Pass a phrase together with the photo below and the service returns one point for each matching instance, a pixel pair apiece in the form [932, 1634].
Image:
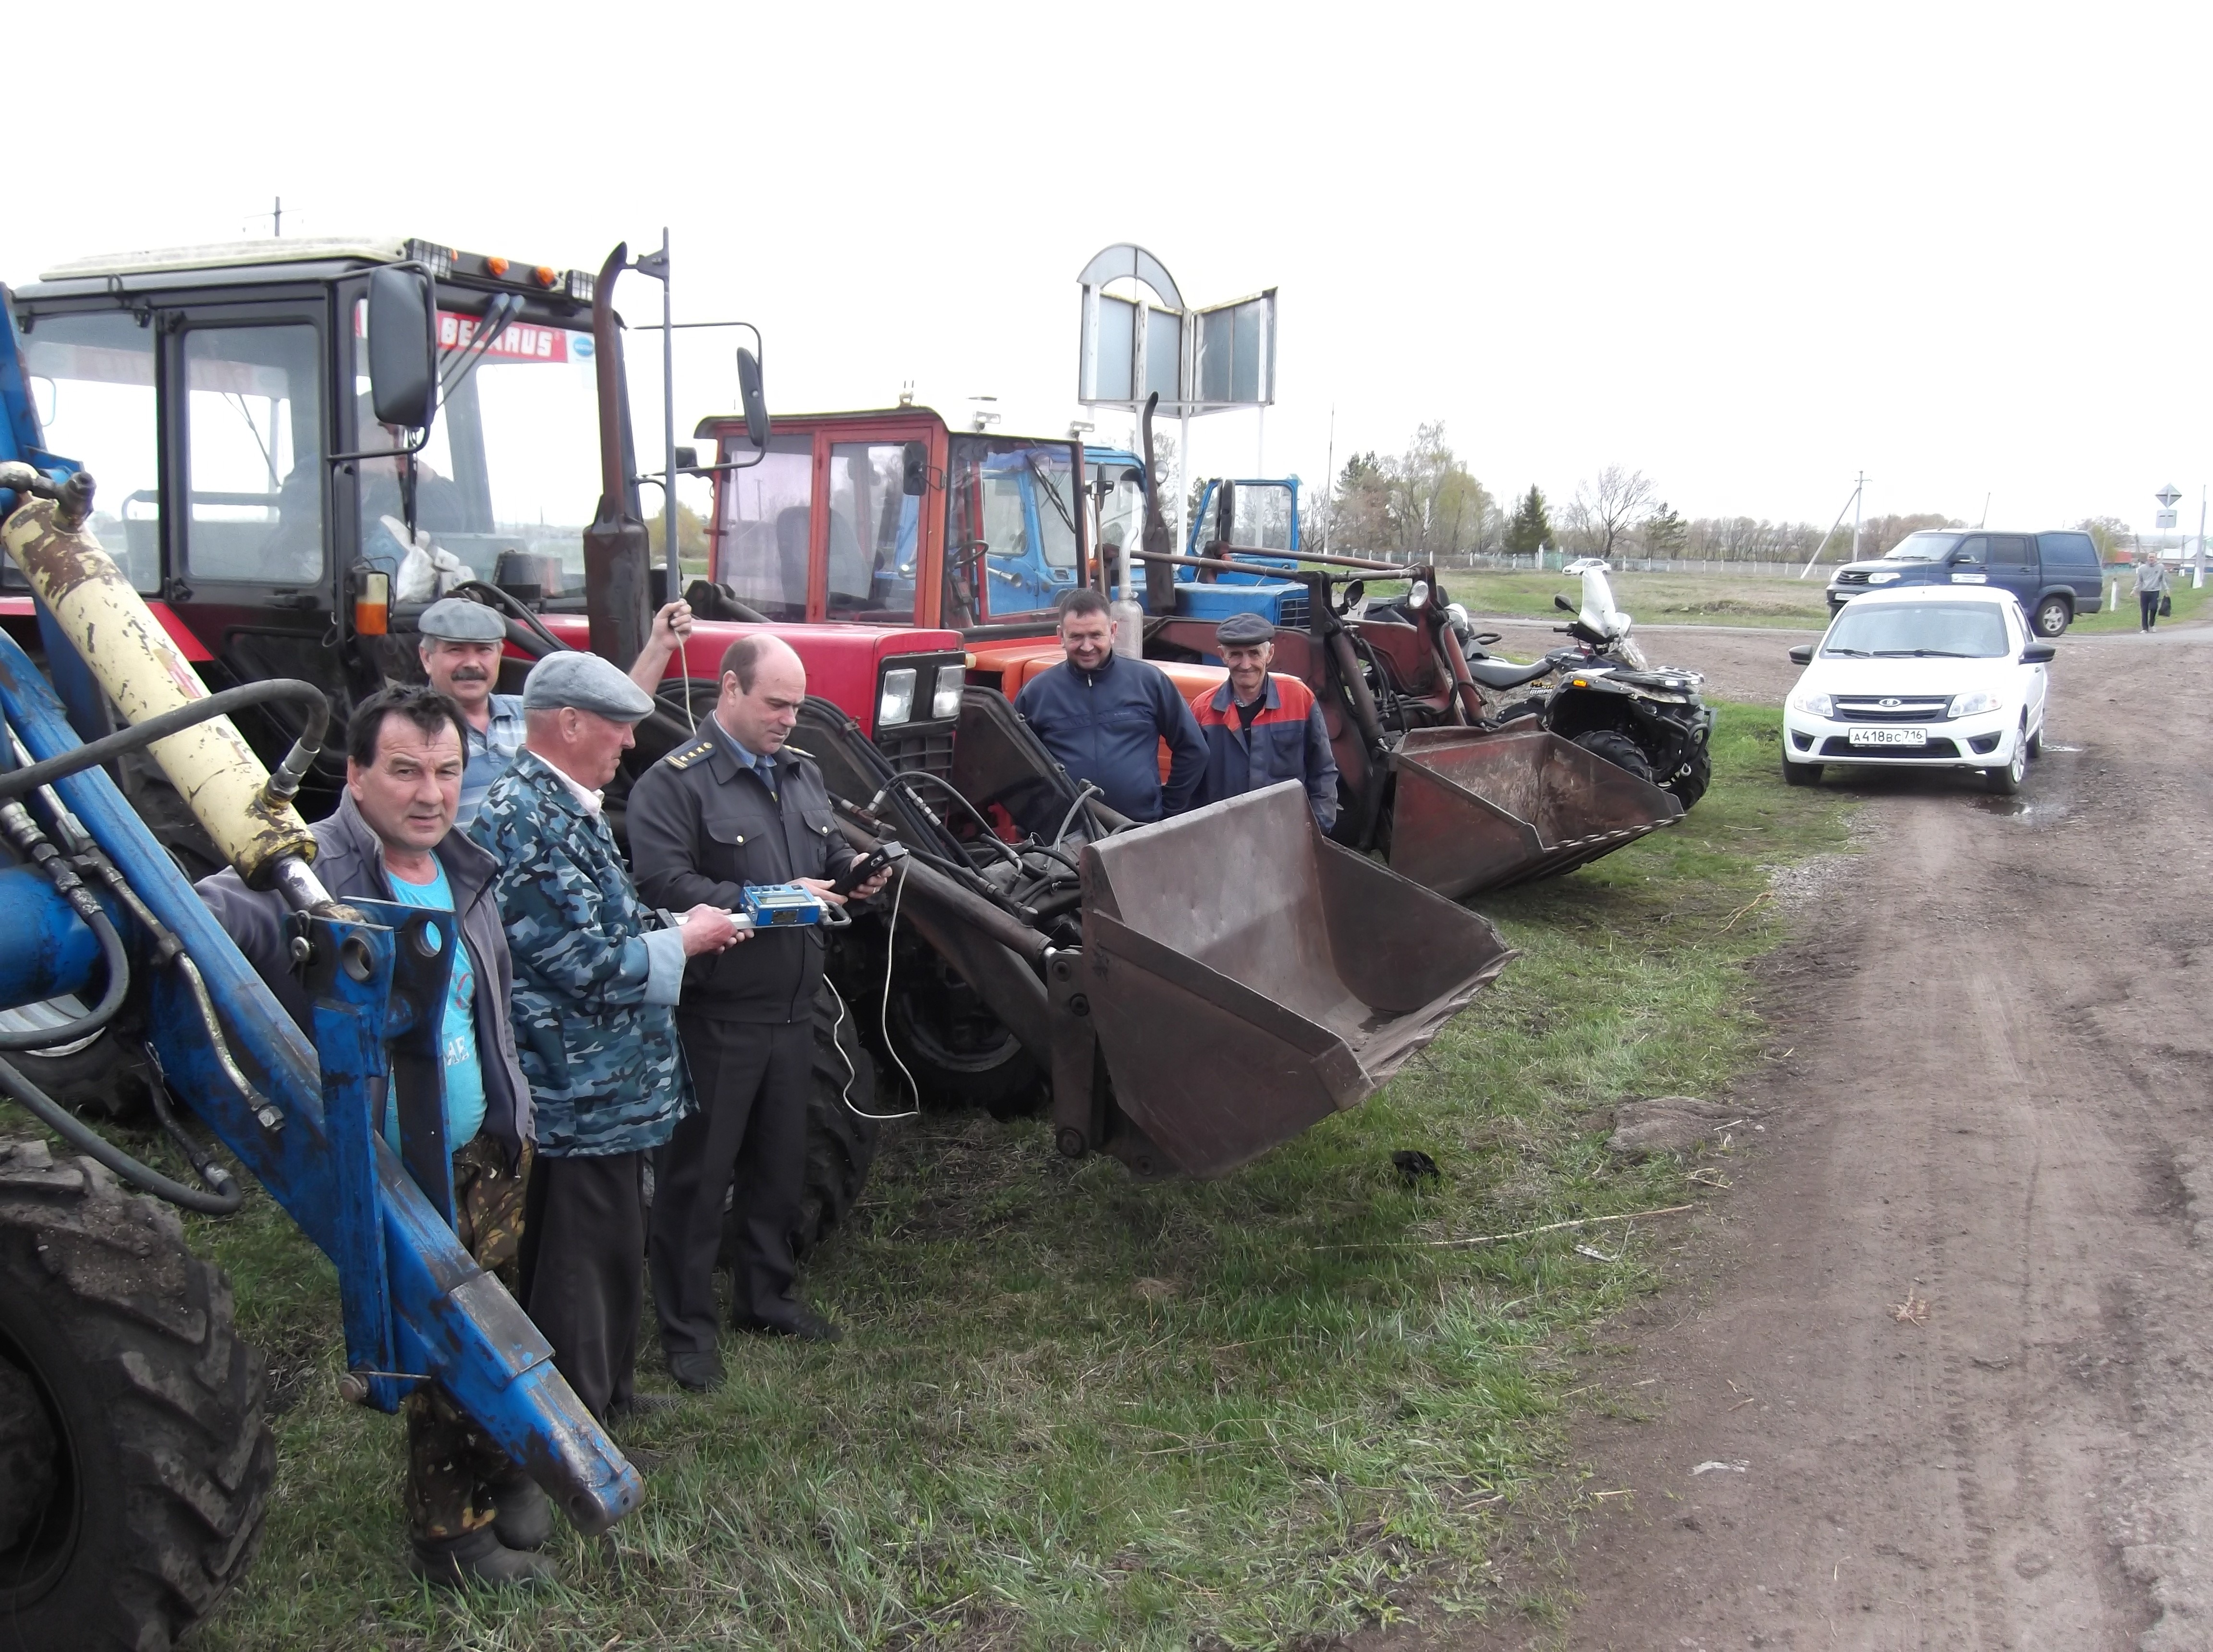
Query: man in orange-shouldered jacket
[1262, 730]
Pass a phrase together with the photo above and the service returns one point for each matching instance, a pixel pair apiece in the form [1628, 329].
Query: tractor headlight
[896, 703]
[1813, 706]
[945, 702]
[1966, 705]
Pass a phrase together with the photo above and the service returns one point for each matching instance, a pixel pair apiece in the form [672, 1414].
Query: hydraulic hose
[16, 782]
[66, 1124]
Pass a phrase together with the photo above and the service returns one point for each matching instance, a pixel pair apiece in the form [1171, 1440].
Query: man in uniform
[1103, 715]
[460, 648]
[1261, 729]
[737, 807]
[475, 1515]
[596, 973]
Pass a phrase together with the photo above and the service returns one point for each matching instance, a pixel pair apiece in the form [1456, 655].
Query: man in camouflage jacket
[596, 973]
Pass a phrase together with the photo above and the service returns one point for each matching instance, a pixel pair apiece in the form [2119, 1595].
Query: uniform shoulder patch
[689, 755]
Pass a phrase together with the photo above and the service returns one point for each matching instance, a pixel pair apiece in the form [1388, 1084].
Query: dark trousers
[453, 1468]
[752, 1080]
[2147, 602]
[583, 1235]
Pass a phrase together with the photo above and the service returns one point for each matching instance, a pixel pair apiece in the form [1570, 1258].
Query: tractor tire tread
[167, 1402]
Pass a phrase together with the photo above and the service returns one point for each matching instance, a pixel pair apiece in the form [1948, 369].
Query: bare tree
[1603, 510]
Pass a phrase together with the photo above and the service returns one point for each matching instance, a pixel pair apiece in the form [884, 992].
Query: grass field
[1654, 598]
[1078, 1410]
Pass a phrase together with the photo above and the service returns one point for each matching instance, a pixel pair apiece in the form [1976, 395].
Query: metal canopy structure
[1208, 359]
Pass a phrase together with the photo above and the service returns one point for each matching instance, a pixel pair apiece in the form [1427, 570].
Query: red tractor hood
[844, 663]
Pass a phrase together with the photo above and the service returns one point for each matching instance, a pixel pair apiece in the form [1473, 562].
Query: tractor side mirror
[914, 469]
[750, 398]
[1802, 655]
[687, 459]
[403, 347]
[1563, 604]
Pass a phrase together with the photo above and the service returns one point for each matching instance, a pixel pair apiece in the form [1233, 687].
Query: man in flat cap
[737, 807]
[596, 973]
[1261, 729]
[460, 648]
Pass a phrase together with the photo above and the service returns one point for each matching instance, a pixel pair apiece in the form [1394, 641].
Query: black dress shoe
[695, 1373]
[800, 1323]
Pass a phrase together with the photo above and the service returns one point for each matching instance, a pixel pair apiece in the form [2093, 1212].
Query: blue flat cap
[457, 619]
[587, 682]
[1243, 629]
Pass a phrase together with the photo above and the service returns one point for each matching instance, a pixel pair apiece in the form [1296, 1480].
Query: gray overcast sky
[1748, 250]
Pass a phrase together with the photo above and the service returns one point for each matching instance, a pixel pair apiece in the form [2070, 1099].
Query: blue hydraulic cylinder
[448, 1319]
[45, 948]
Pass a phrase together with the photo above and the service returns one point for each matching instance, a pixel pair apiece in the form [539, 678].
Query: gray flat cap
[1243, 629]
[587, 682]
[457, 619]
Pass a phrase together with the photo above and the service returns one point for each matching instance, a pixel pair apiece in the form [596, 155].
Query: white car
[1924, 676]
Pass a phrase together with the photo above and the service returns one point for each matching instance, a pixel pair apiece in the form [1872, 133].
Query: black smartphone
[867, 867]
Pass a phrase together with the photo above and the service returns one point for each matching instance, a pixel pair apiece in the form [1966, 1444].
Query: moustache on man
[472, 674]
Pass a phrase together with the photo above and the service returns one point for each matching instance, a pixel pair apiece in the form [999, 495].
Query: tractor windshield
[512, 468]
[1010, 544]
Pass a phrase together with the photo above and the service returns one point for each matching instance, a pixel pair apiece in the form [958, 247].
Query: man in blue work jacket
[1262, 730]
[1104, 715]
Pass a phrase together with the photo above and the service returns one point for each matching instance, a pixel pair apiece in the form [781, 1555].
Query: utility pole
[1859, 488]
[2198, 580]
[673, 587]
[276, 219]
[1329, 480]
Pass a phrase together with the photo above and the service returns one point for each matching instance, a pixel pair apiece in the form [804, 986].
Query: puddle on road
[2043, 810]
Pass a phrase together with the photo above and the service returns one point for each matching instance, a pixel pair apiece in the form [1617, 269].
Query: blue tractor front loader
[134, 1458]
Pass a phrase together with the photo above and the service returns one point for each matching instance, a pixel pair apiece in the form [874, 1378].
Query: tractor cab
[220, 396]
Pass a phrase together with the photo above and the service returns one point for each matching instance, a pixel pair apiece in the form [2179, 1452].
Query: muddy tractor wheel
[1618, 749]
[1688, 783]
[959, 1054]
[135, 1463]
[841, 1145]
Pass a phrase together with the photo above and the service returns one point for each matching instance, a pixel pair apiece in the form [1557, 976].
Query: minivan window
[1923, 547]
[1965, 630]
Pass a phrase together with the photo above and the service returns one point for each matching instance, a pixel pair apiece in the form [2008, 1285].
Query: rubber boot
[523, 1513]
[477, 1558]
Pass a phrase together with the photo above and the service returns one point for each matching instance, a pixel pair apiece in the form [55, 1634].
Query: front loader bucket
[1247, 977]
[1476, 810]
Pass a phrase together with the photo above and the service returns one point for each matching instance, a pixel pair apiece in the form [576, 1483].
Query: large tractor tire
[958, 1054]
[135, 1463]
[841, 1145]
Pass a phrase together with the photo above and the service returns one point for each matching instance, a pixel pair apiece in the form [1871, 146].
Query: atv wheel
[1688, 783]
[1618, 749]
[134, 1460]
[840, 1144]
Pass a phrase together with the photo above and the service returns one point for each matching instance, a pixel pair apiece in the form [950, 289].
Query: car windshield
[1923, 547]
[512, 466]
[1963, 631]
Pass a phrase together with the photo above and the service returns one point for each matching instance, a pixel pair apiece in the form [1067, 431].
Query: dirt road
[1943, 1375]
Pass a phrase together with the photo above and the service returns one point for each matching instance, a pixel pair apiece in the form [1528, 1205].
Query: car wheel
[2036, 743]
[2052, 615]
[2005, 781]
[1800, 774]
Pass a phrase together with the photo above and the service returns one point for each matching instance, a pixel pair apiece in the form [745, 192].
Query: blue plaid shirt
[489, 755]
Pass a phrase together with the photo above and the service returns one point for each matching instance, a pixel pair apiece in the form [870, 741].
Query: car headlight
[1813, 706]
[945, 702]
[1966, 705]
[897, 704]
[1882, 579]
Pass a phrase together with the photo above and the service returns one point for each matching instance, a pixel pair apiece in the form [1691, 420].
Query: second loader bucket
[1476, 810]
[1247, 977]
